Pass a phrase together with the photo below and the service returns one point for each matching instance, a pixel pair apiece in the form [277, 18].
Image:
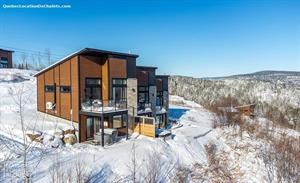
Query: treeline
[274, 100]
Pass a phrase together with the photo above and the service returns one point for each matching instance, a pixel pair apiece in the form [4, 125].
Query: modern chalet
[102, 92]
[6, 58]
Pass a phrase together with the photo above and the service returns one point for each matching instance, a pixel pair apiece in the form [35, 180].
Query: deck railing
[102, 106]
[144, 108]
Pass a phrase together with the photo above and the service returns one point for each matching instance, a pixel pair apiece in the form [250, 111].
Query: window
[117, 121]
[3, 62]
[159, 99]
[149, 121]
[143, 97]
[49, 88]
[143, 94]
[93, 81]
[119, 89]
[93, 88]
[120, 121]
[119, 82]
[124, 120]
[65, 89]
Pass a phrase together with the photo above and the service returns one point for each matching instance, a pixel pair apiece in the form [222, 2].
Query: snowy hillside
[283, 77]
[197, 152]
[277, 96]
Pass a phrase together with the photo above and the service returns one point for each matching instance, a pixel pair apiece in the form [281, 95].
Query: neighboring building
[162, 100]
[6, 58]
[247, 110]
[153, 96]
[95, 89]
[146, 90]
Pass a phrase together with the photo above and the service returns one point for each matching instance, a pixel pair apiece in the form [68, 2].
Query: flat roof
[6, 50]
[86, 51]
[145, 67]
[161, 76]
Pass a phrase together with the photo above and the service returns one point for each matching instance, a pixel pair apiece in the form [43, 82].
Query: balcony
[144, 108]
[103, 106]
[160, 110]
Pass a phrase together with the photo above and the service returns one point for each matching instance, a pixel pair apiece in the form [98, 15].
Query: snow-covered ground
[186, 148]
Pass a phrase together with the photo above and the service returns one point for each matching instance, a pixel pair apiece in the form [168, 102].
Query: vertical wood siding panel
[89, 67]
[56, 79]
[65, 98]
[117, 69]
[49, 96]
[40, 93]
[82, 128]
[143, 78]
[105, 81]
[74, 83]
[159, 85]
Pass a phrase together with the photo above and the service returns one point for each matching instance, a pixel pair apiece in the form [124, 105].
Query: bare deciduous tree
[22, 149]
[48, 56]
[133, 166]
[157, 169]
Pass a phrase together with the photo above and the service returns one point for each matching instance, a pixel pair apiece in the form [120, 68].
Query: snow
[187, 147]
[184, 104]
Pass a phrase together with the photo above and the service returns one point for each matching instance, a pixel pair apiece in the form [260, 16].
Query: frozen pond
[176, 113]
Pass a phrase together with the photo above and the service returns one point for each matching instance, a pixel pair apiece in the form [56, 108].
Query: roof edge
[82, 51]
[6, 50]
[162, 75]
[146, 67]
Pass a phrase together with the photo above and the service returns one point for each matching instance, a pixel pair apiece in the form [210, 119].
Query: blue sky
[193, 38]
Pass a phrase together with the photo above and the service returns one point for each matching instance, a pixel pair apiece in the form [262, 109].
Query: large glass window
[120, 121]
[117, 121]
[89, 128]
[159, 99]
[143, 94]
[119, 89]
[93, 88]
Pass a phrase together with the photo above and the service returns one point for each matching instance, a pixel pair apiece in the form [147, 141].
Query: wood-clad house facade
[6, 58]
[85, 76]
[97, 90]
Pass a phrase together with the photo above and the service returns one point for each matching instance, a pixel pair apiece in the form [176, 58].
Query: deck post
[102, 131]
[127, 127]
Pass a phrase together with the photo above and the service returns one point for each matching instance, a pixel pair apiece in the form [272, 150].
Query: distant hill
[287, 77]
[277, 91]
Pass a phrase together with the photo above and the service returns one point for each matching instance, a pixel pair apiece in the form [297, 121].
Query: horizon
[194, 39]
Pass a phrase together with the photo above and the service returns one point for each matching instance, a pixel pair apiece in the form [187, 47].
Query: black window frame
[64, 87]
[144, 91]
[4, 65]
[123, 87]
[123, 121]
[49, 86]
[93, 86]
[159, 98]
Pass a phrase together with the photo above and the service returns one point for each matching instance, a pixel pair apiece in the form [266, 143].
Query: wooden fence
[145, 126]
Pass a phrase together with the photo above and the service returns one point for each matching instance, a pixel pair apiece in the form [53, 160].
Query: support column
[127, 127]
[102, 131]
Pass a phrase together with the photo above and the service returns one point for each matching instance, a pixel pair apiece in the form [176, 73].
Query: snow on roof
[56, 63]
[83, 51]
[6, 50]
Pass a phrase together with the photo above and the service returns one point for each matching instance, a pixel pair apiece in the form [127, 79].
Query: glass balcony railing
[103, 106]
[144, 108]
